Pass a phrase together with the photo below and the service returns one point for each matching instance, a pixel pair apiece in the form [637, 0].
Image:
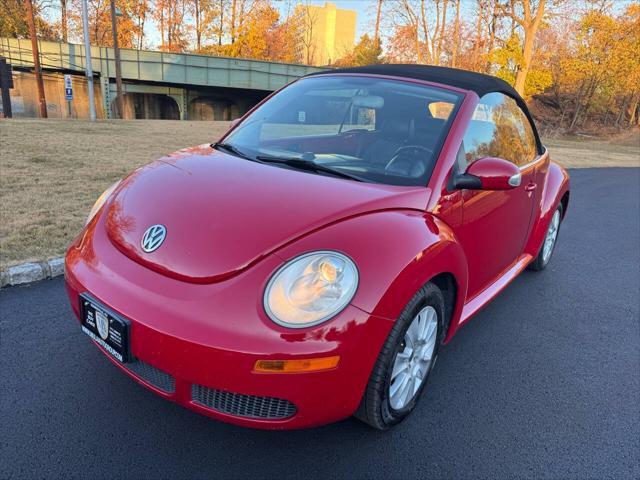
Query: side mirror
[490, 173]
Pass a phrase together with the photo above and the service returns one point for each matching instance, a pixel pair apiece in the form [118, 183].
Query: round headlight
[310, 289]
[100, 201]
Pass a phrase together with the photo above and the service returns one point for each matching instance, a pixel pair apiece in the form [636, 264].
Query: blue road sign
[68, 87]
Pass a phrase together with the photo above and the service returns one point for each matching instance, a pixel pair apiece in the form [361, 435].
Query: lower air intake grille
[152, 375]
[248, 406]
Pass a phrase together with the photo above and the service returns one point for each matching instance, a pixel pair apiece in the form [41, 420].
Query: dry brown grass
[51, 171]
[579, 152]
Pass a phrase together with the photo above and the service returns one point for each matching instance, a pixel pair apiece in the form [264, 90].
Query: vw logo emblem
[153, 238]
[102, 322]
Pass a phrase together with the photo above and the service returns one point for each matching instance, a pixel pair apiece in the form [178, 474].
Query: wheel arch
[555, 192]
[396, 252]
[448, 285]
[565, 202]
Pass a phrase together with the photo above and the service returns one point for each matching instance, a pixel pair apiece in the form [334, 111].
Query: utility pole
[6, 83]
[116, 54]
[87, 56]
[36, 59]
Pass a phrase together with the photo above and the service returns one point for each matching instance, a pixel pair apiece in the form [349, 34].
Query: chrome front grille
[248, 406]
[150, 374]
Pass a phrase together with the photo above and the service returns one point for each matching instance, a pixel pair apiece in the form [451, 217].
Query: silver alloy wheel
[413, 362]
[550, 239]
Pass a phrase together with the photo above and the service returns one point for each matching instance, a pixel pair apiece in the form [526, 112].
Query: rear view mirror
[368, 101]
[490, 173]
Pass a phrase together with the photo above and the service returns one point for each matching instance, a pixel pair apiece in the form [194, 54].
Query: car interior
[381, 134]
[400, 140]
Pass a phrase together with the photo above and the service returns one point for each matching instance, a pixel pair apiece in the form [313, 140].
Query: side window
[499, 128]
[526, 132]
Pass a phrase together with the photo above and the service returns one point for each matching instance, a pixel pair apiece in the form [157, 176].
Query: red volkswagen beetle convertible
[308, 266]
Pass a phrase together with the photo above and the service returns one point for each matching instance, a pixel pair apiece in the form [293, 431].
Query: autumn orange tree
[602, 69]
[368, 51]
[255, 30]
[130, 23]
[528, 14]
[170, 17]
[578, 59]
[13, 20]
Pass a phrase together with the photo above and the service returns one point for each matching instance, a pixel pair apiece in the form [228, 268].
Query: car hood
[223, 213]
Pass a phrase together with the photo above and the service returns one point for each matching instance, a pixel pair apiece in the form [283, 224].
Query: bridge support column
[182, 99]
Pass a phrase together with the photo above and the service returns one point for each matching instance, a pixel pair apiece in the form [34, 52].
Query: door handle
[531, 187]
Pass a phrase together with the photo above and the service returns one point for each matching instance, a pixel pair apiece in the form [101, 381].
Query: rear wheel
[549, 244]
[405, 362]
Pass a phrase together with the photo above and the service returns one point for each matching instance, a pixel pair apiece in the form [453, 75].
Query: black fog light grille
[150, 374]
[248, 406]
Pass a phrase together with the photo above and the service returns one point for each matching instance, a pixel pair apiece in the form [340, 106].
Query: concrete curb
[31, 272]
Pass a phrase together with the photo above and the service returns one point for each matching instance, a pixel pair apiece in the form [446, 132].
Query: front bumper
[196, 344]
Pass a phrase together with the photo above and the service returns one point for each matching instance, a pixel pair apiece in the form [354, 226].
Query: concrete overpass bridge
[155, 84]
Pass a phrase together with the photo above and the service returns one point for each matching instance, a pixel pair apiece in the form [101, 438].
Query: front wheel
[549, 245]
[405, 362]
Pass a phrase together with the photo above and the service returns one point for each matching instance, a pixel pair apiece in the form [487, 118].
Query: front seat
[394, 134]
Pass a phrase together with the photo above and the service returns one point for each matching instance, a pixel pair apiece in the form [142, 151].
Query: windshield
[372, 129]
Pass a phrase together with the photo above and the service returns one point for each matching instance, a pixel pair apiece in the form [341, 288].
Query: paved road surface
[543, 383]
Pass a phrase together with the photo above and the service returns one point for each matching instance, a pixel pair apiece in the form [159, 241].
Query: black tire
[375, 408]
[539, 263]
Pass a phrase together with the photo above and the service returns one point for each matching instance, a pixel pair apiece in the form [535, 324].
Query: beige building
[328, 33]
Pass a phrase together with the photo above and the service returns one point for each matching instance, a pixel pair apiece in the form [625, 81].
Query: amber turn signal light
[296, 366]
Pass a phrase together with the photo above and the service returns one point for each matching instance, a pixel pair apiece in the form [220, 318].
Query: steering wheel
[409, 161]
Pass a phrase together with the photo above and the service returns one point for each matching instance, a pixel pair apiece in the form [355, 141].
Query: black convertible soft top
[464, 79]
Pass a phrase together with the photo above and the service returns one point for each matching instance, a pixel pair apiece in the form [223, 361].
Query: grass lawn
[51, 171]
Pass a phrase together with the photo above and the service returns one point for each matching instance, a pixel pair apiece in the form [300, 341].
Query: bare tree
[442, 25]
[456, 35]
[529, 19]
[425, 28]
[232, 27]
[203, 12]
[376, 36]
[63, 20]
[140, 15]
[170, 15]
[219, 26]
[42, 102]
[492, 27]
[306, 19]
[429, 27]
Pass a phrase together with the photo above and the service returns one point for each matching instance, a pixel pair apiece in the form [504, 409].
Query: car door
[495, 223]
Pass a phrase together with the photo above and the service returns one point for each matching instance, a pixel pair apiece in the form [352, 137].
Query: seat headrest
[428, 126]
[395, 127]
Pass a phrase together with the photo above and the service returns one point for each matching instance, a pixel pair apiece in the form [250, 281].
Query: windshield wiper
[308, 165]
[227, 147]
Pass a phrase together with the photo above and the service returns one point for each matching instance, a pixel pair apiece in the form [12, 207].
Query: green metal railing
[160, 67]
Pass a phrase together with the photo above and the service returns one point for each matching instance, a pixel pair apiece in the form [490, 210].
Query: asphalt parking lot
[542, 383]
